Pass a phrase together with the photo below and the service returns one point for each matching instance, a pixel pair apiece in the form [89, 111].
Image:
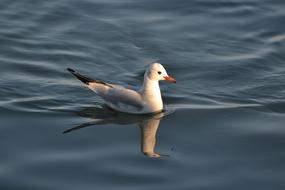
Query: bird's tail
[82, 78]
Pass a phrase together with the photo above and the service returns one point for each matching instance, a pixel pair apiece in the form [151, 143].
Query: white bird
[146, 100]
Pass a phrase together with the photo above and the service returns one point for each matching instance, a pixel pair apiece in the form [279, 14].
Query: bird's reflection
[148, 124]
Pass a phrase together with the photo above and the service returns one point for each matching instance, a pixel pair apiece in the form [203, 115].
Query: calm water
[224, 122]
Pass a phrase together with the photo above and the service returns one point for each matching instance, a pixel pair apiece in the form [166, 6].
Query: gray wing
[123, 99]
[117, 97]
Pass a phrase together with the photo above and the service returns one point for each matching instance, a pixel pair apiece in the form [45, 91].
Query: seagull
[144, 101]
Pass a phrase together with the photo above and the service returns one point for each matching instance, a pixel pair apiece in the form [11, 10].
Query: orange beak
[169, 78]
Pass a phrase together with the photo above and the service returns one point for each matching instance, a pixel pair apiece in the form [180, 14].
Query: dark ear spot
[159, 72]
[149, 73]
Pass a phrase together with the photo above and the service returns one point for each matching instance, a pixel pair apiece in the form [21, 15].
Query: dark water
[224, 121]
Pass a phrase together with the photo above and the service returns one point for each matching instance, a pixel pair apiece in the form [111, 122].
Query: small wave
[277, 38]
[207, 107]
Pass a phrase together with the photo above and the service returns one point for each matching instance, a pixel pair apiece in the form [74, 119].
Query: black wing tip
[70, 70]
[82, 78]
[85, 79]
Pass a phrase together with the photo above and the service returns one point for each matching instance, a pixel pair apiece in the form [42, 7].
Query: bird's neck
[150, 89]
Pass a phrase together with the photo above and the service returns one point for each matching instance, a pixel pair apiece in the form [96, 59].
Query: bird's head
[157, 72]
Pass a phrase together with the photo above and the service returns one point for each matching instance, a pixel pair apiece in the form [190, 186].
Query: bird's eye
[159, 72]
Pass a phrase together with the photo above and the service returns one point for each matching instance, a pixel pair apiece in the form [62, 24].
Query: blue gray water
[224, 122]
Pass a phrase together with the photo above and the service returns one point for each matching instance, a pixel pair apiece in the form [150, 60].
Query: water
[224, 122]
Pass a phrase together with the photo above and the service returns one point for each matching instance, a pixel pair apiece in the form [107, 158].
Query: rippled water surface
[223, 127]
